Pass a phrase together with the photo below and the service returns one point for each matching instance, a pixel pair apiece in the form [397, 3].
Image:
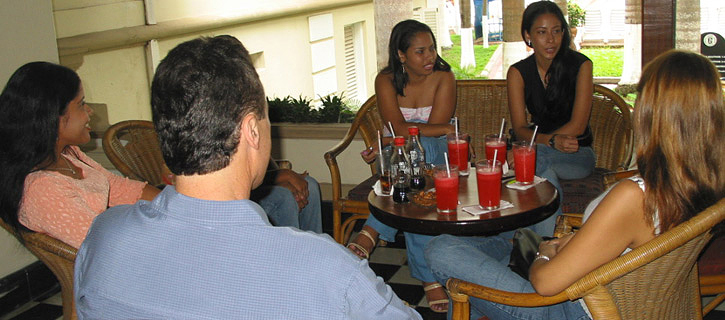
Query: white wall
[27, 34]
[118, 77]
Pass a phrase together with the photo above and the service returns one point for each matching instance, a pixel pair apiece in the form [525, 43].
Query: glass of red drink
[446, 184]
[458, 151]
[493, 143]
[488, 178]
[524, 161]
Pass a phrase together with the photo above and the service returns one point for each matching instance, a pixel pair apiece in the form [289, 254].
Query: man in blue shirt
[201, 249]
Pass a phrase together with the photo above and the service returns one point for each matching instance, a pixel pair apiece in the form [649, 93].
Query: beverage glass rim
[486, 162]
[523, 143]
[453, 134]
[495, 136]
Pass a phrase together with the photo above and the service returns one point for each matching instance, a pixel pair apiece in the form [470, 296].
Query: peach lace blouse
[64, 207]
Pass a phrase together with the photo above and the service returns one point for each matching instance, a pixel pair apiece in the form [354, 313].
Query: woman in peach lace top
[49, 185]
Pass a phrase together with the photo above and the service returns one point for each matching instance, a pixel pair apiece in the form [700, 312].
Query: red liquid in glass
[458, 155]
[492, 146]
[525, 164]
[489, 187]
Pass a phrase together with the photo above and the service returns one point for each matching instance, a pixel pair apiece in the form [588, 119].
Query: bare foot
[364, 243]
[436, 296]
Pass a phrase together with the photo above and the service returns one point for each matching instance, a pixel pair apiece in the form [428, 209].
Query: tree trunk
[387, 14]
[632, 43]
[514, 48]
[562, 5]
[467, 55]
[687, 28]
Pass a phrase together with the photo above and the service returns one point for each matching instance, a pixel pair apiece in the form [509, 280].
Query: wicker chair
[657, 280]
[58, 256]
[367, 122]
[133, 148]
[611, 125]
[710, 262]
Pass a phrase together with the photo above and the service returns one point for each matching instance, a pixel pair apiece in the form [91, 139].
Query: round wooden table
[530, 206]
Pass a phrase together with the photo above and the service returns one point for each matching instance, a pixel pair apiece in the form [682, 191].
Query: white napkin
[476, 210]
[379, 190]
[513, 184]
[507, 172]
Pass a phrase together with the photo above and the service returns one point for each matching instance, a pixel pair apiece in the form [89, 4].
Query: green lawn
[453, 57]
[607, 61]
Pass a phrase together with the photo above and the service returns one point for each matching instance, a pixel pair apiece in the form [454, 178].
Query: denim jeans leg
[385, 231]
[552, 165]
[279, 204]
[415, 246]
[484, 261]
[310, 217]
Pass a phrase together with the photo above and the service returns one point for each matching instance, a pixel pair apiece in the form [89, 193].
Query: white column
[387, 14]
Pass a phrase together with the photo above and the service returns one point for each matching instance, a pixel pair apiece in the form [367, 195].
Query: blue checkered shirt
[178, 257]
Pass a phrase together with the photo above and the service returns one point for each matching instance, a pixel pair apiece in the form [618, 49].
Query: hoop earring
[402, 65]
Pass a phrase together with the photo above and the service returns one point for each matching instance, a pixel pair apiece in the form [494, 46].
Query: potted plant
[577, 17]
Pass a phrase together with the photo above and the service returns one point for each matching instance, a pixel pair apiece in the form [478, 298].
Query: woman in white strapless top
[417, 88]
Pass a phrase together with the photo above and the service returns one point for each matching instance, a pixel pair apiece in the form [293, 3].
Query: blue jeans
[282, 210]
[484, 261]
[415, 243]
[554, 165]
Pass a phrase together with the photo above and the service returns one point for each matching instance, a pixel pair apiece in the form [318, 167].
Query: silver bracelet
[541, 257]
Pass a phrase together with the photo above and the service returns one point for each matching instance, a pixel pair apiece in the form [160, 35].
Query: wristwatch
[551, 141]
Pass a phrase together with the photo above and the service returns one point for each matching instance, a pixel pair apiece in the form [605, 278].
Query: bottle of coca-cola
[400, 170]
[416, 154]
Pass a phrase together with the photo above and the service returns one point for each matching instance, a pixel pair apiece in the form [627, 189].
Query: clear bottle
[417, 159]
[400, 170]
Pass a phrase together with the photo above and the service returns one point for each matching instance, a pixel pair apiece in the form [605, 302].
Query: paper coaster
[513, 184]
[477, 210]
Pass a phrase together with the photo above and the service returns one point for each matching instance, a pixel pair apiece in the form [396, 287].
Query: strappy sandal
[365, 253]
[436, 302]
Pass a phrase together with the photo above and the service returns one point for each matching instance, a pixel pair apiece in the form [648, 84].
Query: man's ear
[250, 130]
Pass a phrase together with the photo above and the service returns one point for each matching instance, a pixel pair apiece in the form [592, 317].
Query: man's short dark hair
[200, 93]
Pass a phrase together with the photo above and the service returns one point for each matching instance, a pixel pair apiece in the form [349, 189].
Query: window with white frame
[356, 87]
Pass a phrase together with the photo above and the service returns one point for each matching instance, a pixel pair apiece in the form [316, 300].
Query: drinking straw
[455, 121]
[380, 153]
[495, 154]
[391, 128]
[503, 123]
[448, 166]
[533, 137]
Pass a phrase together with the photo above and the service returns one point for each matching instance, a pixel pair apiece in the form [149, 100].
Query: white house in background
[604, 24]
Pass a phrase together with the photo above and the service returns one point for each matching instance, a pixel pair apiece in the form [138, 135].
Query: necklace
[69, 169]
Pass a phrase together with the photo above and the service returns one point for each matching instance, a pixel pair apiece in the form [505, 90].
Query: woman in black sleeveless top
[555, 85]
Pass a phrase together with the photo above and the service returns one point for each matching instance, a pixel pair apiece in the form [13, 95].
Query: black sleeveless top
[550, 115]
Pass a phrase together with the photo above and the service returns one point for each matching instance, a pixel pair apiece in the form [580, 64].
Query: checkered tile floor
[390, 263]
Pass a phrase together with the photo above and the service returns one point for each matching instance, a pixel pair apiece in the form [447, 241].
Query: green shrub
[334, 109]
[577, 15]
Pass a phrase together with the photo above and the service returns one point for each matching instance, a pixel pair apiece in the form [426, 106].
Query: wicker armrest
[611, 178]
[457, 286]
[567, 223]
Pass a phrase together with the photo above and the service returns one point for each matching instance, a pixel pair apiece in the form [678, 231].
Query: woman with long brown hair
[679, 123]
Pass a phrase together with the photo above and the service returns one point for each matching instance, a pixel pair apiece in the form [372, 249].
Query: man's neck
[222, 185]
